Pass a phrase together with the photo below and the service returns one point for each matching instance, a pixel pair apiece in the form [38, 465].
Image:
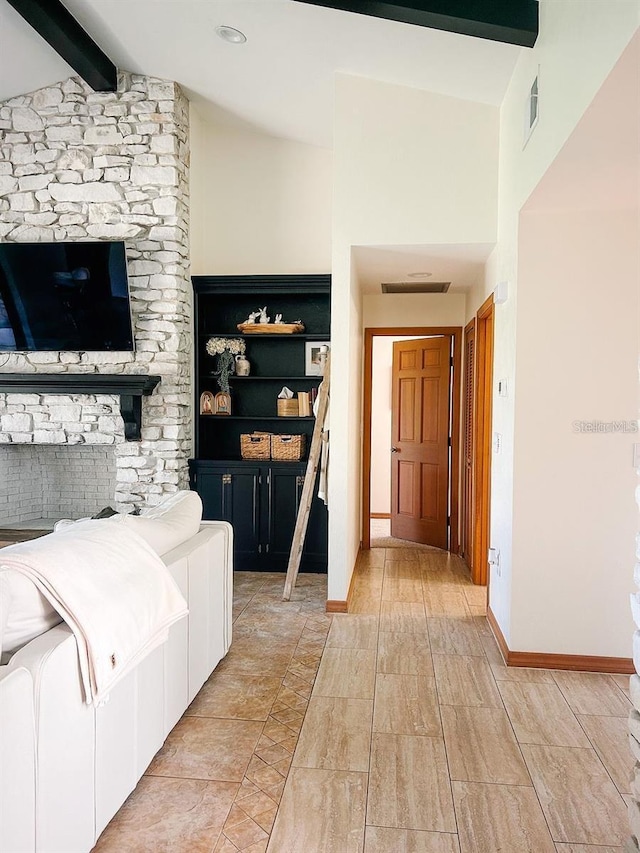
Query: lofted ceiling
[281, 81]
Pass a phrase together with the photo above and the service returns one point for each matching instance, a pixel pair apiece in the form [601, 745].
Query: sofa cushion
[167, 525]
[24, 612]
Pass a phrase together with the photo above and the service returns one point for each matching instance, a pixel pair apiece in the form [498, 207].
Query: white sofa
[66, 767]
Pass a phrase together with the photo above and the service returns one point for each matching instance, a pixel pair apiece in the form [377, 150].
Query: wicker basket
[287, 448]
[256, 446]
[288, 408]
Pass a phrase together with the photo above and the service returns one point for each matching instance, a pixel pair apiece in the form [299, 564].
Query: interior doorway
[420, 482]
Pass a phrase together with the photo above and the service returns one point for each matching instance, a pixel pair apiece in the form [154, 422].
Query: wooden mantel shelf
[129, 387]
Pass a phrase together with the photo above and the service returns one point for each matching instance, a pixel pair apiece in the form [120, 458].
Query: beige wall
[579, 44]
[414, 309]
[574, 514]
[262, 205]
[410, 168]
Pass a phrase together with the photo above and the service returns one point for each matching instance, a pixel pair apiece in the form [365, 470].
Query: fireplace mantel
[129, 387]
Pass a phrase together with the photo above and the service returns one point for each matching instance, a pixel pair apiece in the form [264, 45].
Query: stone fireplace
[81, 165]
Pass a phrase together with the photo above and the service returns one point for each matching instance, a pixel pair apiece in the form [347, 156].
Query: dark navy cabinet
[261, 502]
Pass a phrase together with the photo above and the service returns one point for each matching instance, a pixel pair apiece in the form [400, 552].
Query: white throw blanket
[111, 589]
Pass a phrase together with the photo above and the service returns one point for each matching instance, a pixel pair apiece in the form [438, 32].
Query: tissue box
[288, 408]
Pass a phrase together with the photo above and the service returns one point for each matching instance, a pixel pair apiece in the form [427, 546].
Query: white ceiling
[281, 81]
[459, 263]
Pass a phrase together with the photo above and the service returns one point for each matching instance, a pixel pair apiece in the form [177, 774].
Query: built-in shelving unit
[259, 497]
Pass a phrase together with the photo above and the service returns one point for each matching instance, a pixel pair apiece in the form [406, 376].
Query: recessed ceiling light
[230, 34]
[419, 274]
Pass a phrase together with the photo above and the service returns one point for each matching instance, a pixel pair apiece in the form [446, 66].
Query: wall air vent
[532, 107]
[416, 287]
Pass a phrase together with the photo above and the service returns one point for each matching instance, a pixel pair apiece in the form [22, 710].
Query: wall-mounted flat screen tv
[64, 296]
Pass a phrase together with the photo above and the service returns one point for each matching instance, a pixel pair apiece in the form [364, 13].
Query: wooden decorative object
[207, 403]
[270, 328]
[222, 404]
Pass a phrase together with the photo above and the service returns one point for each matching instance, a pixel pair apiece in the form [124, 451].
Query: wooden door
[420, 429]
[468, 444]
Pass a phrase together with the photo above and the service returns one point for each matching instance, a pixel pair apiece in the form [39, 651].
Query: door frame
[483, 444]
[455, 333]
[467, 511]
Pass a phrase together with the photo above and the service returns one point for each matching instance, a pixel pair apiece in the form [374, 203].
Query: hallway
[418, 739]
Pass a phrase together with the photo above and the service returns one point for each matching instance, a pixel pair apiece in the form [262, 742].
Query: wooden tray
[270, 328]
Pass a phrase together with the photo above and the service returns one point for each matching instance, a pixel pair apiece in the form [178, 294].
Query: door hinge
[226, 479]
[449, 441]
[194, 478]
[300, 481]
[451, 361]
[448, 521]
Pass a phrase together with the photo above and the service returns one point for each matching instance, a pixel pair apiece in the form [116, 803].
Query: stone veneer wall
[81, 165]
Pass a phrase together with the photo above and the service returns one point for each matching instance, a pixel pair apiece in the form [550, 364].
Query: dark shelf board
[236, 460]
[262, 284]
[288, 378]
[258, 418]
[298, 336]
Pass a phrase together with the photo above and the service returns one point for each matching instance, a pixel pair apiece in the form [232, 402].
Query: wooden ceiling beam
[59, 28]
[510, 21]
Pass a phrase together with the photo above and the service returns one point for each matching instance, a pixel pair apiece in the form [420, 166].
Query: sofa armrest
[18, 761]
[203, 567]
[65, 736]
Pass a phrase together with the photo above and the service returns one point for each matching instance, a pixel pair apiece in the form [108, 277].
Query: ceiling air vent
[416, 287]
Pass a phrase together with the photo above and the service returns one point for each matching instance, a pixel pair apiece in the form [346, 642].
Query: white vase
[243, 366]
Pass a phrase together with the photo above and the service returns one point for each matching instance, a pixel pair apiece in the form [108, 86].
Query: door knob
[395, 450]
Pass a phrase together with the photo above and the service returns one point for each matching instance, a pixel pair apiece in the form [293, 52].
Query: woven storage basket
[288, 408]
[256, 446]
[287, 448]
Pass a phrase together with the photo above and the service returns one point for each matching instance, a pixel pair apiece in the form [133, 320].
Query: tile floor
[417, 738]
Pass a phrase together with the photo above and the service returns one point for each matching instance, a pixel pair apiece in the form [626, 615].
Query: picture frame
[312, 360]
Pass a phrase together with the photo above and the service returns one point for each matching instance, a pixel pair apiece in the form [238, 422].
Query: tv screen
[64, 296]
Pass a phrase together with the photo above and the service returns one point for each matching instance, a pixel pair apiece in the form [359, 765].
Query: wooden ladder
[304, 509]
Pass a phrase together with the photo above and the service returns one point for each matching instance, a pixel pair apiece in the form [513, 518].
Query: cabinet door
[285, 492]
[283, 501]
[233, 494]
[242, 507]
